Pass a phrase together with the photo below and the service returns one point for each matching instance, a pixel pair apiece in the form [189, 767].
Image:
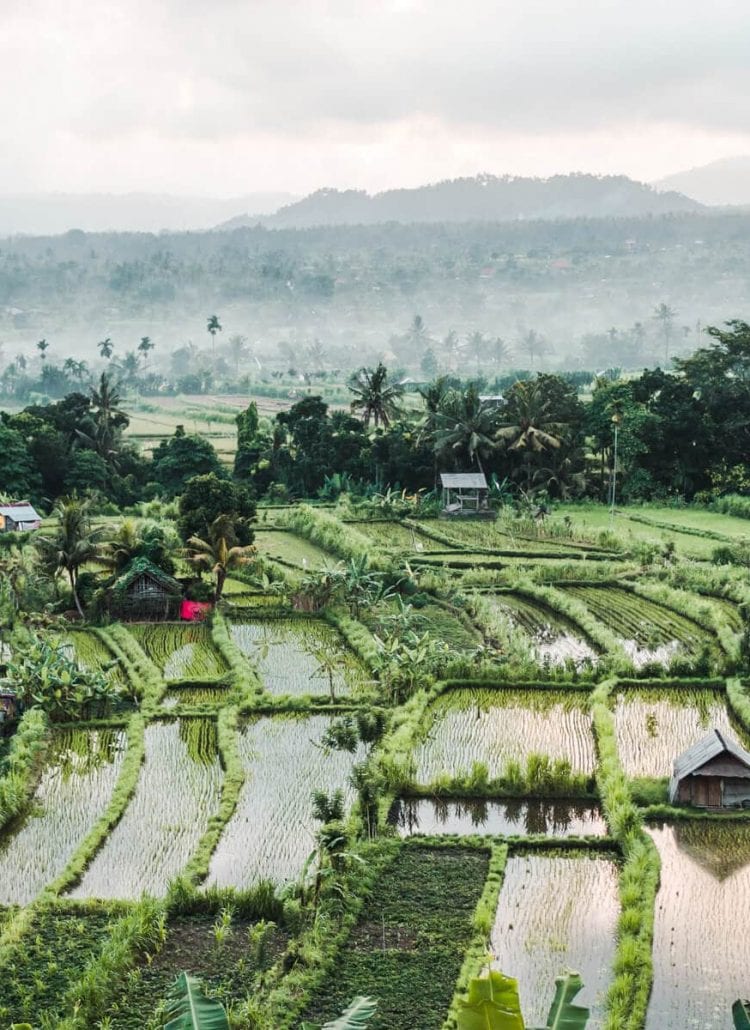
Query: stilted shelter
[145, 593]
[714, 773]
[465, 495]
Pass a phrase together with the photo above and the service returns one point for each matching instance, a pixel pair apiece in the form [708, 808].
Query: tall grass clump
[22, 764]
[144, 677]
[329, 533]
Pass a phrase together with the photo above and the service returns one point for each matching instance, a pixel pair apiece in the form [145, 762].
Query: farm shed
[714, 773]
[19, 517]
[145, 593]
[465, 494]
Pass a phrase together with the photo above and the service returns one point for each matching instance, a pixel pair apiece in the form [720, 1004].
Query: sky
[229, 97]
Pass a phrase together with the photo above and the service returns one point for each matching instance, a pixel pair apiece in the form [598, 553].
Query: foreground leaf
[357, 1015]
[493, 1004]
[564, 1015]
[188, 1007]
[741, 1015]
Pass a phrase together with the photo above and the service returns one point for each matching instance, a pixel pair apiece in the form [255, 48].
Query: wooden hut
[465, 495]
[145, 593]
[19, 517]
[8, 707]
[714, 773]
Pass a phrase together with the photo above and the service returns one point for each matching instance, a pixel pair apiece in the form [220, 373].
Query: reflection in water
[522, 817]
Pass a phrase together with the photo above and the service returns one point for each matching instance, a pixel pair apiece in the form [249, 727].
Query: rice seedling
[272, 830]
[181, 651]
[90, 652]
[287, 655]
[495, 727]
[291, 549]
[516, 817]
[555, 640]
[396, 536]
[653, 727]
[75, 787]
[214, 696]
[701, 946]
[177, 792]
[557, 913]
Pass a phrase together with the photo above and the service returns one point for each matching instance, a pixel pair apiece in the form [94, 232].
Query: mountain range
[724, 182]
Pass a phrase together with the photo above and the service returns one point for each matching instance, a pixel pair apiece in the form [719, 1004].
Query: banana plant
[356, 1016]
[493, 1004]
[188, 1008]
[741, 1015]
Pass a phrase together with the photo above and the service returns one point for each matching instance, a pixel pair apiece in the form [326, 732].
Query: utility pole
[616, 420]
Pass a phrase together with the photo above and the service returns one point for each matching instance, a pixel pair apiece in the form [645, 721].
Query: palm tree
[42, 347]
[375, 396]
[213, 326]
[73, 544]
[665, 316]
[124, 545]
[106, 347]
[146, 345]
[218, 554]
[529, 427]
[237, 346]
[465, 426]
[108, 416]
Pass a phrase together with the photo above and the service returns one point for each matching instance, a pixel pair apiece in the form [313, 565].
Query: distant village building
[465, 495]
[18, 517]
[144, 593]
[714, 773]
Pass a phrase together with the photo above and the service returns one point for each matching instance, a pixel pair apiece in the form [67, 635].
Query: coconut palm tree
[42, 347]
[528, 427]
[108, 418]
[146, 345]
[213, 326]
[237, 347]
[465, 427]
[106, 348]
[73, 544]
[375, 396]
[219, 554]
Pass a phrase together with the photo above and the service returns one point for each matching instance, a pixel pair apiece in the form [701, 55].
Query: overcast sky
[228, 97]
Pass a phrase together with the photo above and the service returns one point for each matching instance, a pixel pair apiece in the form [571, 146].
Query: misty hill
[484, 198]
[47, 214]
[721, 182]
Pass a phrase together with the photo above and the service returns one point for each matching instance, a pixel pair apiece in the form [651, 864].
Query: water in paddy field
[556, 914]
[177, 792]
[701, 939]
[430, 816]
[75, 788]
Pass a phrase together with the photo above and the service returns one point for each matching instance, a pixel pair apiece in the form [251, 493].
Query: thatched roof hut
[465, 494]
[714, 773]
[144, 592]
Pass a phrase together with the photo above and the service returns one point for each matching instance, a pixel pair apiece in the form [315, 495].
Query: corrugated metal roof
[463, 480]
[711, 746]
[20, 512]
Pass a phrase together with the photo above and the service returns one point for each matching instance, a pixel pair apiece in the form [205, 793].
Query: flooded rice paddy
[514, 817]
[701, 945]
[498, 726]
[76, 785]
[181, 651]
[272, 830]
[554, 639]
[555, 914]
[177, 792]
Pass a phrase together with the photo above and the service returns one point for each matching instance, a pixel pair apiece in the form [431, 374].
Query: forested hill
[484, 198]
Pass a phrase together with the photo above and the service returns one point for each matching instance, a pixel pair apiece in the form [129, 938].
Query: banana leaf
[741, 1015]
[564, 1015]
[493, 1004]
[357, 1015]
[188, 1008]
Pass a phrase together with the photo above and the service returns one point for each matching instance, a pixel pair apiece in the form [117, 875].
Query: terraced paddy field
[76, 784]
[299, 656]
[554, 639]
[653, 727]
[411, 935]
[395, 536]
[441, 622]
[291, 549]
[187, 696]
[497, 536]
[177, 792]
[648, 631]
[495, 727]
[272, 830]
[183, 651]
[701, 950]
[557, 913]
[433, 816]
[92, 653]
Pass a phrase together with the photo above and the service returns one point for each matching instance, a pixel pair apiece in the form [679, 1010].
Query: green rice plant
[739, 702]
[176, 794]
[75, 787]
[92, 653]
[194, 697]
[272, 829]
[402, 537]
[334, 536]
[690, 607]
[20, 765]
[287, 655]
[183, 651]
[496, 727]
[554, 639]
[142, 675]
[543, 925]
[290, 549]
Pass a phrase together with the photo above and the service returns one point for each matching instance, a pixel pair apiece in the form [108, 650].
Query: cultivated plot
[75, 788]
[177, 792]
[273, 830]
[299, 656]
[554, 639]
[292, 549]
[554, 914]
[701, 945]
[182, 651]
[496, 727]
[433, 816]
[653, 727]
